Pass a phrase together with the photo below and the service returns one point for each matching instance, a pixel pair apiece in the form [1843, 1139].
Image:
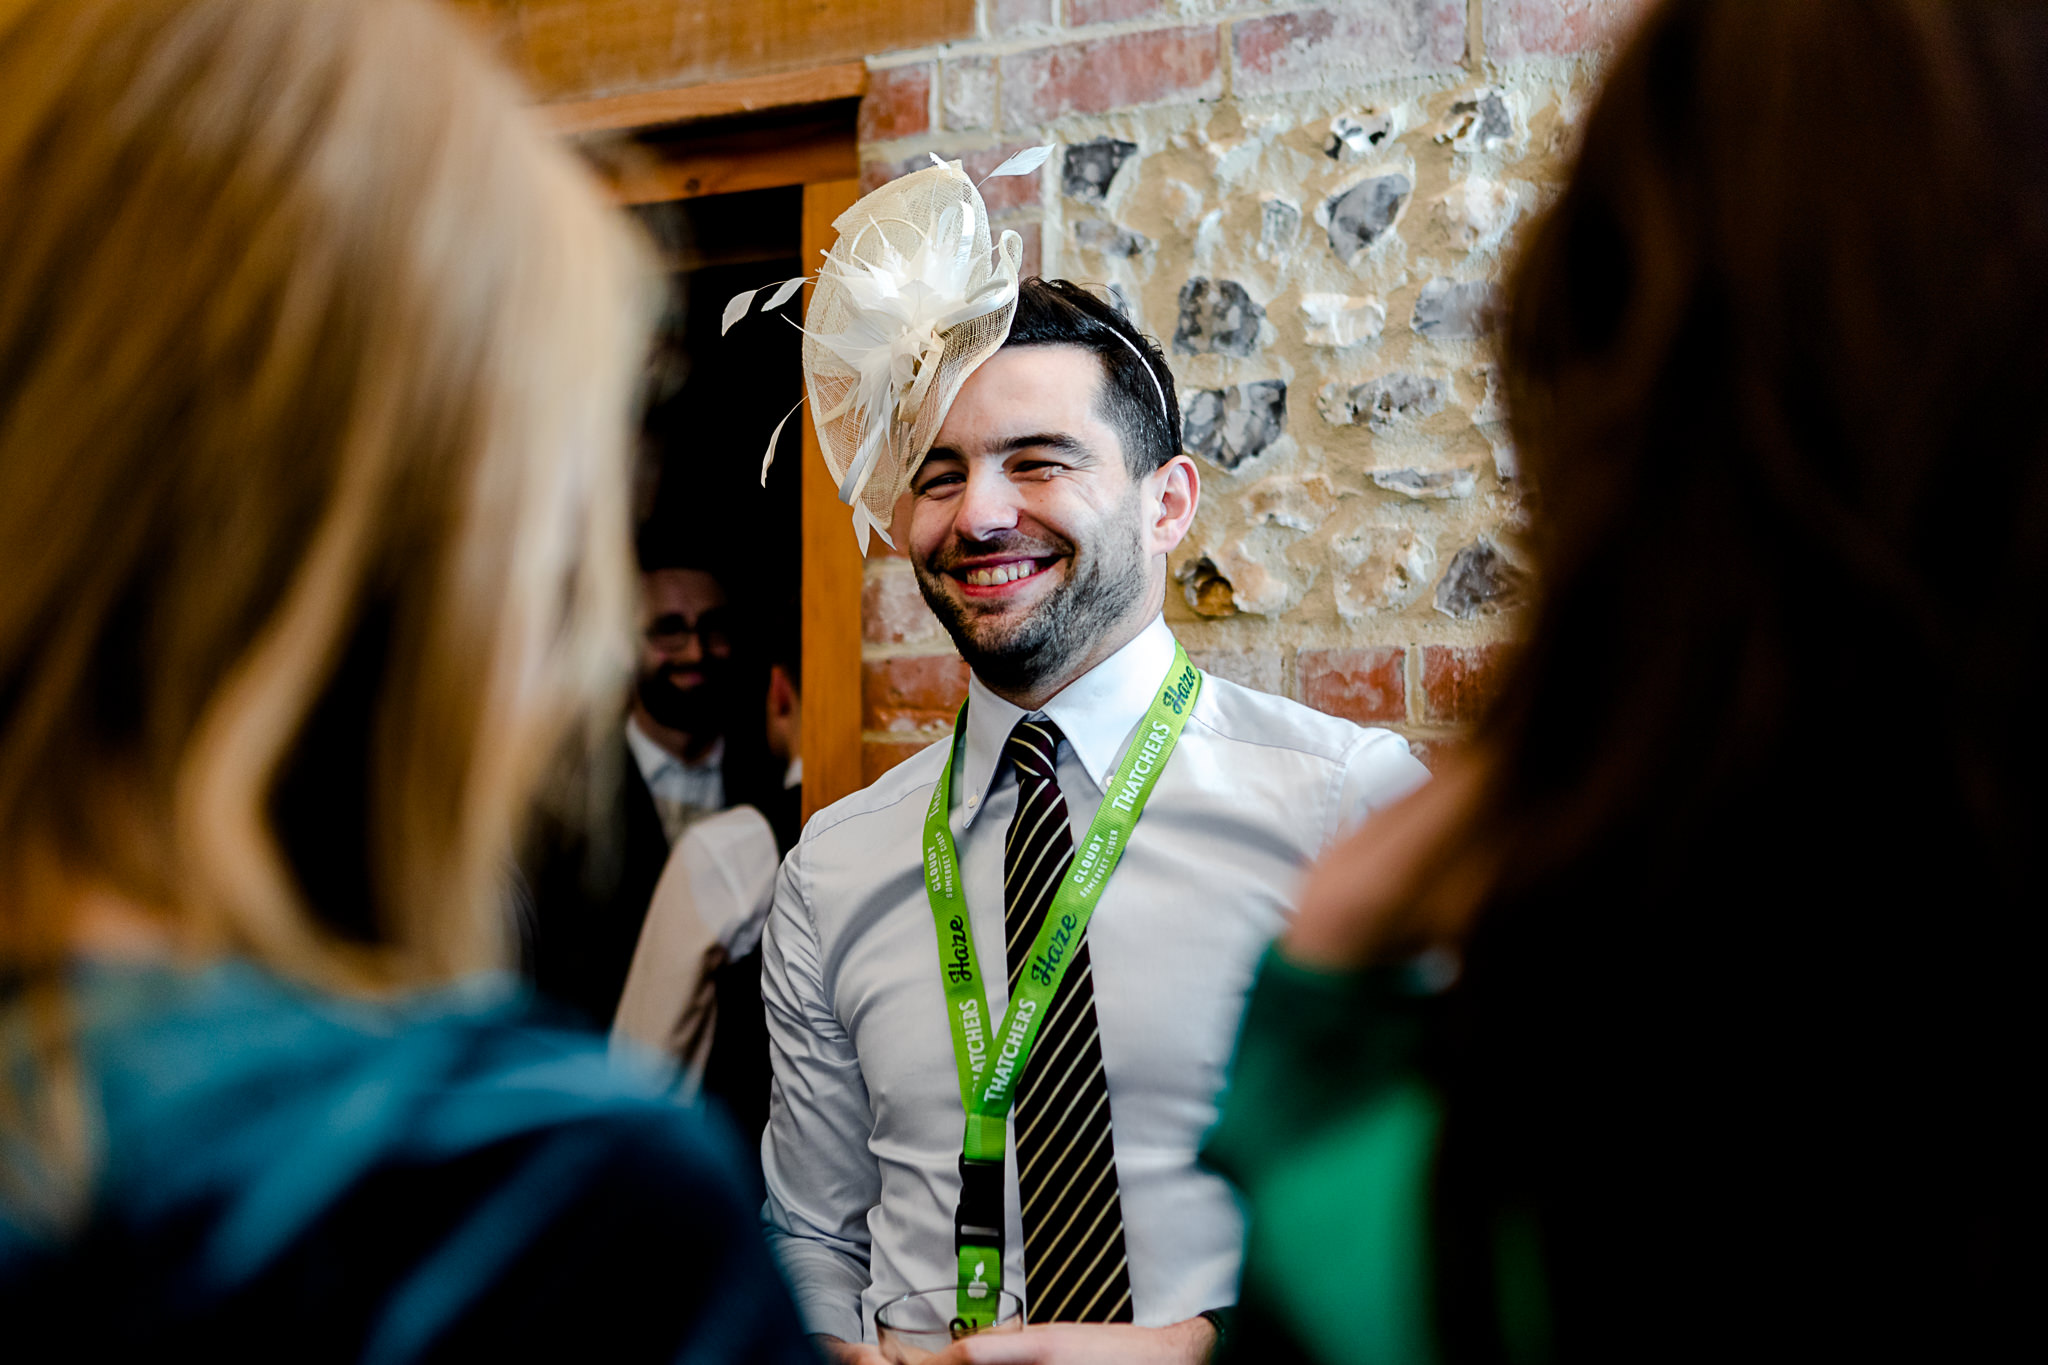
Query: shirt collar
[1096, 712]
[653, 760]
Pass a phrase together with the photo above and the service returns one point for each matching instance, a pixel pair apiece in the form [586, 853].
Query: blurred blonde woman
[315, 370]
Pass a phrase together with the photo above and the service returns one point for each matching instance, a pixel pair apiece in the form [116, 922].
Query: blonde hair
[316, 360]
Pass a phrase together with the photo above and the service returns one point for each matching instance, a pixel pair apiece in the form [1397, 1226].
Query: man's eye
[941, 481]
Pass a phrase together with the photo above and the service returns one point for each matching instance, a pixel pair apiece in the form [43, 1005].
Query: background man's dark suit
[586, 897]
[588, 886]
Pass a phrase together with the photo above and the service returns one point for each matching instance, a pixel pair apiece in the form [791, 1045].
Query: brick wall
[1310, 205]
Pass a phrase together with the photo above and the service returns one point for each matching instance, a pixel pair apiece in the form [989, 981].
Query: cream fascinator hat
[911, 300]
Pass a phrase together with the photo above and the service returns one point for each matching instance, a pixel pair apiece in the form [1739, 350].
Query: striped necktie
[1074, 1263]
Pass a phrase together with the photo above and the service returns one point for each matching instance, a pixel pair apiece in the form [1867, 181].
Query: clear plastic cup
[918, 1326]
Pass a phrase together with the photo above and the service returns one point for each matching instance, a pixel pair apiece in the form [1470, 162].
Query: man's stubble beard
[1101, 586]
[699, 712]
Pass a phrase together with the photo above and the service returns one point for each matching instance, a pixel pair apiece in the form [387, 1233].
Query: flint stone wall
[1310, 207]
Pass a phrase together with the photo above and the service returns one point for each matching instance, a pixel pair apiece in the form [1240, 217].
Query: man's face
[1029, 537]
[684, 650]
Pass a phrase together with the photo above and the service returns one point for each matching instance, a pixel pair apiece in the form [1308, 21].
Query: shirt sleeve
[821, 1178]
[1379, 771]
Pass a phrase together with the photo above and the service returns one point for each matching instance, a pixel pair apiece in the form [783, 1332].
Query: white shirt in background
[863, 1142]
[707, 910]
[681, 791]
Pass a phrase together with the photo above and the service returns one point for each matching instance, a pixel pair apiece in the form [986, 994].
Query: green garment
[1329, 1130]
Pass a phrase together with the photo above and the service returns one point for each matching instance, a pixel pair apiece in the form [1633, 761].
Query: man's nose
[988, 504]
[681, 649]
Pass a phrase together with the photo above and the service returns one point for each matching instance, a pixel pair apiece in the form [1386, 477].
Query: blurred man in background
[682, 692]
[693, 991]
[591, 873]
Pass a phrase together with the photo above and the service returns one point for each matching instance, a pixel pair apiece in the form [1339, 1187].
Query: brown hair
[315, 367]
[1736, 1050]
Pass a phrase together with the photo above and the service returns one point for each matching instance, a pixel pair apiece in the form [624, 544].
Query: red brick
[1083, 12]
[898, 103]
[1430, 752]
[1014, 16]
[1005, 192]
[877, 756]
[1460, 681]
[1033, 234]
[892, 610]
[906, 696]
[1259, 669]
[875, 174]
[1110, 73]
[1365, 685]
[1556, 28]
[1312, 48]
[899, 531]
[1002, 194]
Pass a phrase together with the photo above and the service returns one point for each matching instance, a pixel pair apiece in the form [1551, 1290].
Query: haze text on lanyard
[990, 1063]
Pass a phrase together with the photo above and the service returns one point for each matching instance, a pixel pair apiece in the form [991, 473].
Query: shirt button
[973, 801]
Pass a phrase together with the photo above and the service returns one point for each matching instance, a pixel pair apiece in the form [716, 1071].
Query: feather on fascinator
[912, 298]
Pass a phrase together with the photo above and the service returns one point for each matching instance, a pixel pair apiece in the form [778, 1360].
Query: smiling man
[1039, 527]
[589, 880]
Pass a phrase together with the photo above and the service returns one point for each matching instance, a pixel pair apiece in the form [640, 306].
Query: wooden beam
[685, 104]
[653, 172]
[831, 576]
[585, 49]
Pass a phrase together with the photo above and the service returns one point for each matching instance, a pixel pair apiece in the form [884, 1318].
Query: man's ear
[1172, 493]
[782, 693]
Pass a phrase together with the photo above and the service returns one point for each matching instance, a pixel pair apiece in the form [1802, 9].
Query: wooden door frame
[833, 572]
[762, 133]
[686, 104]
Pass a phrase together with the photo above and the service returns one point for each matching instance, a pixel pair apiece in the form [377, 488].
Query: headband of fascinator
[911, 300]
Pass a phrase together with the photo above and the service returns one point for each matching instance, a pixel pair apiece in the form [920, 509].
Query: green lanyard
[991, 1062]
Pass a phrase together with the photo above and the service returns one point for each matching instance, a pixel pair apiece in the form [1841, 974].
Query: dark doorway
[713, 401]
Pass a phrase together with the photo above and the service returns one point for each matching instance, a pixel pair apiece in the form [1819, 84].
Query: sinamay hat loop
[912, 298]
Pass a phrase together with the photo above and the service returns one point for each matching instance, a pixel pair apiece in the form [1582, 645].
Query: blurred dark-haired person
[1039, 526]
[683, 696]
[591, 868]
[316, 357]
[694, 988]
[1690, 1017]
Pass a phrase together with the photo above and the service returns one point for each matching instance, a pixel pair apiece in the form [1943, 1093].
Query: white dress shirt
[708, 909]
[681, 791]
[863, 1142]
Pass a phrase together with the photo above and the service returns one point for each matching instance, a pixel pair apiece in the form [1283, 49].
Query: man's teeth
[998, 574]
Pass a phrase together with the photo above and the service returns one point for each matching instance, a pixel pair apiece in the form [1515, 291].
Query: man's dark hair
[665, 541]
[1061, 313]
